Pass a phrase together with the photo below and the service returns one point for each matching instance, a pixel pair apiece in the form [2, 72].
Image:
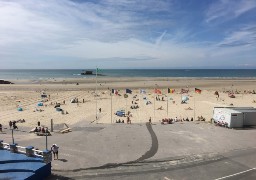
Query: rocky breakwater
[5, 82]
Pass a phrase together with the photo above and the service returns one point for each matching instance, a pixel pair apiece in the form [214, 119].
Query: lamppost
[46, 142]
[12, 137]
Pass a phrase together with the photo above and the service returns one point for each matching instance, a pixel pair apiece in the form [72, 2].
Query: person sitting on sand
[36, 130]
[160, 108]
[46, 130]
[122, 121]
[43, 130]
[187, 119]
[189, 108]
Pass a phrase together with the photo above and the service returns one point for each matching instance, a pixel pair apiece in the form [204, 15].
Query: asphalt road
[239, 164]
[235, 164]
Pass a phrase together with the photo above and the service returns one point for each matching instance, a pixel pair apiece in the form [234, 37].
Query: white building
[235, 117]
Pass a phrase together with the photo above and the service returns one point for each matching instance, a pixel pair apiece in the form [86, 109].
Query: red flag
[157, 91]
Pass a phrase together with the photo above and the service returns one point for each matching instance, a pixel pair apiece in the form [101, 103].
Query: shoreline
[79, 84]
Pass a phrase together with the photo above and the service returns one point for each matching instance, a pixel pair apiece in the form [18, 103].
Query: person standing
[55, 150]
[10, 124]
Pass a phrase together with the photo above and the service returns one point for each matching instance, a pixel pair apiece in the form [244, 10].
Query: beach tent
[57, 105]
[75, 100]
[58, 109]
[43, 95]
[120, 113]
[185, 98]
[40, 104]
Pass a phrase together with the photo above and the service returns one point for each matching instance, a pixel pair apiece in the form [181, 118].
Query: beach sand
[27, 94]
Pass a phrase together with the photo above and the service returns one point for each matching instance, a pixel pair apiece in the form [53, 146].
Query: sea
[32, 74]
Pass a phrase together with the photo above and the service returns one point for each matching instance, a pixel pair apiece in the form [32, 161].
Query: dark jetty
[5, 82]
[90, 73]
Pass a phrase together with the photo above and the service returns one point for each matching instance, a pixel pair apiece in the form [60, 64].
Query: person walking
[55, 150]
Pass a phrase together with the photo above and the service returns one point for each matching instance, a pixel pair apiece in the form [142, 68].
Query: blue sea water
[75, 73]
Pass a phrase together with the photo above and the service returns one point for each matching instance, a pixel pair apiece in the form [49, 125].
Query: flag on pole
[198, 90]
[171, 91]
[114, 91]
[98, 70]
[128, 91]
[157, 91]
[142, 91]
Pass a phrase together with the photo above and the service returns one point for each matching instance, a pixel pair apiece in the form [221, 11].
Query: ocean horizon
[76, 73]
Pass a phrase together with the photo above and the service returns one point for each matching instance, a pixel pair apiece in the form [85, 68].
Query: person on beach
[1, 128]
[55, 151]
[10, 124]
[149, 120]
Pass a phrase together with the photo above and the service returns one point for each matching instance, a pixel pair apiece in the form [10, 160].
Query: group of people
[41, 130]
[135, 107]
[122, 121]
[159, 99]
[171, 121]
[119, 121]
[221, 123]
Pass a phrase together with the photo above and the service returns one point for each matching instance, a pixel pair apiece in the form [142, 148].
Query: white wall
[250, 118]
[236, 121]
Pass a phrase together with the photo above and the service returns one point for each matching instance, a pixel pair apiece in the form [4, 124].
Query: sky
[127, 34]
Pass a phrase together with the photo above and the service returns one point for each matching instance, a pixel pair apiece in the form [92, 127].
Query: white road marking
[69, 155]
[236, 174]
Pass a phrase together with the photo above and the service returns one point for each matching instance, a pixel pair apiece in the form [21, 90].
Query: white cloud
[223, 10]
[245, 36]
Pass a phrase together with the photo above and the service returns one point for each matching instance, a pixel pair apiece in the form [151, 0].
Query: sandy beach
[27, 94]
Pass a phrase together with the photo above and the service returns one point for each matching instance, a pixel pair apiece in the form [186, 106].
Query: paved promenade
[126, 151]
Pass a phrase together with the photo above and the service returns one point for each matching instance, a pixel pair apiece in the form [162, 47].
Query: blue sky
[127, 34]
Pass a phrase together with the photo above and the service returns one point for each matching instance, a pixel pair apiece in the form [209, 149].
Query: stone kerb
[1, 144]
[47, 156]
[14, 148]
[29, 151]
